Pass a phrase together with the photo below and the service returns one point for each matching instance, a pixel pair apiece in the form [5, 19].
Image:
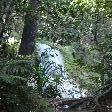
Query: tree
[30, 27]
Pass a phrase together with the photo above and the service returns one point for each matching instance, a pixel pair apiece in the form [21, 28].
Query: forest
[55, 55]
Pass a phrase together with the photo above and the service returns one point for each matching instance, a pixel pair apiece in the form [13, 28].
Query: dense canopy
[80, 29]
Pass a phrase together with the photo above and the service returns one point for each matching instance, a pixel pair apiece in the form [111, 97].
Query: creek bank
[98, 103]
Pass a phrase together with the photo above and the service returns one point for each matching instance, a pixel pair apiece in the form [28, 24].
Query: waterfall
[53, 63]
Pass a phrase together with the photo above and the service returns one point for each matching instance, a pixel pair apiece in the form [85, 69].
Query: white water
[53, 62]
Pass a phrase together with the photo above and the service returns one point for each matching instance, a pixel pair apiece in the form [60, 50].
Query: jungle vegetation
[80, 29]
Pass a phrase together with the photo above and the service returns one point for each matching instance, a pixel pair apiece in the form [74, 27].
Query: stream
[53, 62]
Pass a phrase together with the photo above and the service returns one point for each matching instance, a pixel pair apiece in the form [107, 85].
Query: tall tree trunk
[30, 27]
[7, 11]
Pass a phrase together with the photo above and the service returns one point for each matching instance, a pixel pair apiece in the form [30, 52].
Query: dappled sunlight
[55, 55]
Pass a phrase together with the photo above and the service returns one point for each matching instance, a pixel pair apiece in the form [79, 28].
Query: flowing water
[53, 63]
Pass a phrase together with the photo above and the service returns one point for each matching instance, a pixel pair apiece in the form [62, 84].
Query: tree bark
[7, 11]
[30, 27]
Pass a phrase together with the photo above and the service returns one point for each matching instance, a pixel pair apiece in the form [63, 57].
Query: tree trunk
[7, 11]
[30, 27]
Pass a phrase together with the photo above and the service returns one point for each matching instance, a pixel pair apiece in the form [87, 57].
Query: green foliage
[40, 77]
[91, 47]
[84, 25]
[15, 93]
[18, 90]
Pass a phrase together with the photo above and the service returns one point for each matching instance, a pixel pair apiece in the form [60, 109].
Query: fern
[15, 94]
[11, 79]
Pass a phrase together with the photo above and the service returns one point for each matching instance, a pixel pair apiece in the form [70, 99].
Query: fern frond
[11, 79]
